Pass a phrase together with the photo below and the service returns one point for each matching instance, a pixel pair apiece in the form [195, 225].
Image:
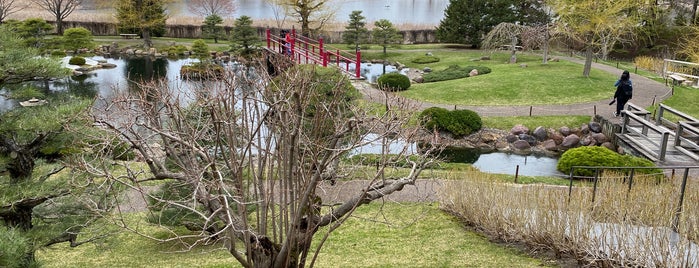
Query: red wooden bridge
[303, 50]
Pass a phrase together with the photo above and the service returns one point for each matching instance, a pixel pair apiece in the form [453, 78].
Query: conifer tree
[355, 33]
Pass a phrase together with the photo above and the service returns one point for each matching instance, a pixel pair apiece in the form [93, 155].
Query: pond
[104, 82]
[415, 12]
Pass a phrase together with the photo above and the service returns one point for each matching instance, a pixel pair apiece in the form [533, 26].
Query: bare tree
[60, 9]
[7, 7]
[504, 34]
[280, 12]
[311, 14]
[205, 8]
[250, 157]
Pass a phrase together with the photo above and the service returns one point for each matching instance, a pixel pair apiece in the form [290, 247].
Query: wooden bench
[129, 36]
[676, 79]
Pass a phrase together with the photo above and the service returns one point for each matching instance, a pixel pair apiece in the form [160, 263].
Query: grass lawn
[388, 235]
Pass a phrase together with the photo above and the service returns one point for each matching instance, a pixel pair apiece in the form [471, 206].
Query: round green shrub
[458, 123]
[426, 60]
[601, 156]
[76, 61]
[393, 82]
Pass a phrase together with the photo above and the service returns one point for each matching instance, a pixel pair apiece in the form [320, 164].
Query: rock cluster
[540, 141]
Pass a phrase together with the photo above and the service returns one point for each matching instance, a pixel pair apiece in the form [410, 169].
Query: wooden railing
[304, 50]
[630, 119]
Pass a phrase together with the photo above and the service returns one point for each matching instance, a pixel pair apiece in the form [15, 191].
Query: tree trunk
[694, 11]
[21, 166]
[588, 61]
[147, 43]
[545, 60]
[59, 26]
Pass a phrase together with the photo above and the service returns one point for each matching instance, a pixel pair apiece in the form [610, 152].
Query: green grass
[379, 235]
[509, 84]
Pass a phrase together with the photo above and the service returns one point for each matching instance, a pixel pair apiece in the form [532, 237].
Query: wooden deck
[661, 140]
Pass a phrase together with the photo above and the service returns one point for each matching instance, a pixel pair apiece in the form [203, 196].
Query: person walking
[624, 92]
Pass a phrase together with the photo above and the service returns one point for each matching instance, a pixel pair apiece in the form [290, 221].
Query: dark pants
[620, 103]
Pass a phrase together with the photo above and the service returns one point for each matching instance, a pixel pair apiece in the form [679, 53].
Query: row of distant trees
[591, 26]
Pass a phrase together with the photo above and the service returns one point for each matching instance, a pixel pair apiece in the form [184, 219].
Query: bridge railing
[308, 51]
[631, 119]
[662, 118]
[686, 139]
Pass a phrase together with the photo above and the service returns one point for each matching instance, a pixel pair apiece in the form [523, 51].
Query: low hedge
[393, 82]
[457, 122]
[453, 72]
[426, 60]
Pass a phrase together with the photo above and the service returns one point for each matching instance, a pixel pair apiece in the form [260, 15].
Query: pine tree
[355, 33]
[243, 35]
[211, 27]
[144, 17]
[385, 34]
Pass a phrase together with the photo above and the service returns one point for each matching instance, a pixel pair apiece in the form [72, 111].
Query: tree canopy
[467, 21]
[356, 33]
[144, 17]
[385, 34]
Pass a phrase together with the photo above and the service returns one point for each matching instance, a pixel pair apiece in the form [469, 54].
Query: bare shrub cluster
[616, 225]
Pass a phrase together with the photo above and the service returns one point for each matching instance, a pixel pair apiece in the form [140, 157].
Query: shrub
[458, 122]
[77, 61]
[393, 82]
[649, 63]
[454, 72]
[77, 38]
[200, 50]
[600, 156]
[58, 53]
[177, 50]
[426, 60]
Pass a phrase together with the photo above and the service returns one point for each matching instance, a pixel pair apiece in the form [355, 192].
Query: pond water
[104, 82]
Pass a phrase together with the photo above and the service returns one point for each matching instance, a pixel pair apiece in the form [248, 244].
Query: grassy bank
[379, 235]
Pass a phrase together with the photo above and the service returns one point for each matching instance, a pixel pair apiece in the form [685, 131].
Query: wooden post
[358, 72]
[530, 110]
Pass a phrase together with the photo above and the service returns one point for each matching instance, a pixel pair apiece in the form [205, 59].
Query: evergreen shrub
[600, 156]
[458, 122]
[393, 82]
[454, 72]
[426, 60]
[77, 61]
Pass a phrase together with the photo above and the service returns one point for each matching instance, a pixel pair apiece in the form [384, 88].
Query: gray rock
[587, 141]
[521, 145]
[570, 141]
[108, 65]
[565, 131]
[599, 138]
[608, 145]
[473, 72]
[584, 129]
[540, 133]
[427, 69]
[485, 58]
[519, 129]
[528, 138]
[511, 138]
[419, 80]
[549, 145]
[595, 127]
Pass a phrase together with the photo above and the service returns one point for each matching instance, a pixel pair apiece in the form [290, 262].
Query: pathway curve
[646, 93]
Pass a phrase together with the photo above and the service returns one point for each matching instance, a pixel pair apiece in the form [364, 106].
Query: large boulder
[473, 73]
[528, 138]
[521, 145]
[600, 138]
[549, 145]
[540, 133]
[519, 129]
[565, 131]
[595, 127]
[570, 141]
[511, 138]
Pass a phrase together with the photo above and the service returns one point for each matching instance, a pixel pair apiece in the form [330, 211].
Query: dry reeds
[622, 226]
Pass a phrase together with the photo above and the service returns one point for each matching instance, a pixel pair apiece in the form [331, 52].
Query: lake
[416, 12]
